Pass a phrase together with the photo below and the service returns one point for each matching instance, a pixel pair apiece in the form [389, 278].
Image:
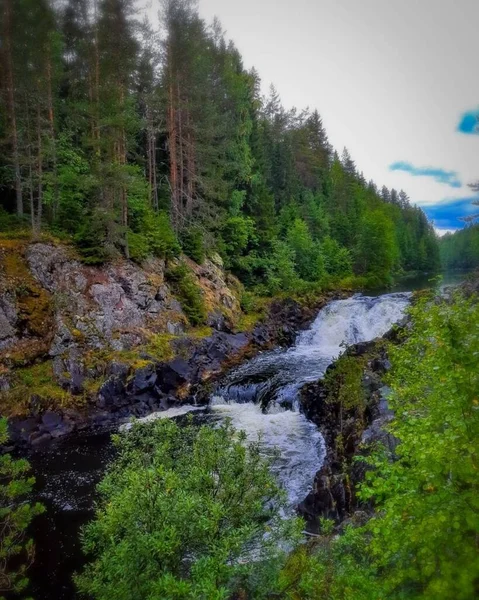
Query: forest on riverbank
[460, 250]
[132, 139]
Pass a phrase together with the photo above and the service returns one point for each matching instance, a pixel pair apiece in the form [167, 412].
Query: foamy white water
[261, 396]
[171, 413]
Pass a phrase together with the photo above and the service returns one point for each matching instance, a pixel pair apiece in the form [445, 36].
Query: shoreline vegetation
[404, 482]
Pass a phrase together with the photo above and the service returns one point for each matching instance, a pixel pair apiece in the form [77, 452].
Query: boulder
[112, 393]
[50, 420]
[144, 379]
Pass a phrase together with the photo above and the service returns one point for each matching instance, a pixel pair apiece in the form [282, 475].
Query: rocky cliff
[350, 407]
[89, 344]
[65, 326]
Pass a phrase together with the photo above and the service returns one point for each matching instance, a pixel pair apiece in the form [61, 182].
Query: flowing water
[260, 397]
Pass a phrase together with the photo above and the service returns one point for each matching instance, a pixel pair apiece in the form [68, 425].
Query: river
[260, 397]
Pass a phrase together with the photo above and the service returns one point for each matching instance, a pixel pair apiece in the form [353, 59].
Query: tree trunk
[51, 121]
[190, 169]
[123, 191]
[172, 147]
[10, 84]
[180, 149]
[38, 221]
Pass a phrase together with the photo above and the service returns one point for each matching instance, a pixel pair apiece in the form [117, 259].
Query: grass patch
[36, 383]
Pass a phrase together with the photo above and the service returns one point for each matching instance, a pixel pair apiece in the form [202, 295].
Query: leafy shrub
[337, 259]
[181, 510]
[193, 244]
[16, 549]
[138, 246]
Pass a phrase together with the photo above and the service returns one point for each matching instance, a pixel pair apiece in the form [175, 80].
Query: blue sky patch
[450, 178]
[469, 123]
[446, 214]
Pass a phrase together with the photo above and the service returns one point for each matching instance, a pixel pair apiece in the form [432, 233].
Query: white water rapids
[261, 396]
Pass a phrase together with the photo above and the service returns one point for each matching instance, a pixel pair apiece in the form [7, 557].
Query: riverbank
[85, 346]
[259, 396]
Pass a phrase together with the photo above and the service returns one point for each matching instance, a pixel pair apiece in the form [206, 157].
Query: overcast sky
[395, 82]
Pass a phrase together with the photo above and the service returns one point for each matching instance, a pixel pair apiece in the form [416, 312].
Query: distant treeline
[460, 250]
[136, 140]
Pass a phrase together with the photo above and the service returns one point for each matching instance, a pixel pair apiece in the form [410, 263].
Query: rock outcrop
[350, 407]
[86, 344]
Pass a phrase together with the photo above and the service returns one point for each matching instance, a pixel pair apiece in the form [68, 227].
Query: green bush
[193, 244]
[16, 549]
[188, 293]
[337, 259]
[188, 513]
[138, 246]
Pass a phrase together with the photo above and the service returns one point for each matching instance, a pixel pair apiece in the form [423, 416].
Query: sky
[395, 82]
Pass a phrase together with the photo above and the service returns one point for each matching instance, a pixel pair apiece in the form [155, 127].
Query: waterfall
[261, 396]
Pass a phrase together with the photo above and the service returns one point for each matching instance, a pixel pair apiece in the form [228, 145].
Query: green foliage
[376, 253]
[182, 512]
[91, 239]
[188, 293]
[344, 383]
[337, 259]
[460, 250]
[193, 244]
[281, 275]
[152, 235]
[16, 514]
[237, 233]
[309, 262]
[424, 539]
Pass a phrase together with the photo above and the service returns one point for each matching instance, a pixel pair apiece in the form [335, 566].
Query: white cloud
[442, 232]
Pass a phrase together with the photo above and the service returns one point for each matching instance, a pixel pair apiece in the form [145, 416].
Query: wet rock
[174, 328]
[170, 378]
[216, 319]
[144, 379]
[51, 419]
[377, 432]
[181, 367]
[62, 430]
[8, 319]
[118, 369]
[112, 393]
[22, 430]
[4, 383]
[333, 494]
[40, 439]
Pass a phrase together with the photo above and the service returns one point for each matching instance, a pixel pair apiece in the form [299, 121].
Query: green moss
[199, 333]
[33, 302]
[344, 383]
[35, 381]
[248, 322]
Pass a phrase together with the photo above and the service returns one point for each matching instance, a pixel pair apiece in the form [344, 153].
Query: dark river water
[260, 397]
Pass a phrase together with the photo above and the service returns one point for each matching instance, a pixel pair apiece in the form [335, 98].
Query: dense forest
[460, 250]
[136, 140]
